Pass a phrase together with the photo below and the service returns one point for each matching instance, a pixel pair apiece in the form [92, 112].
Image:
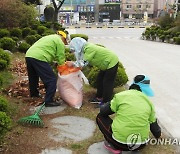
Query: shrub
[57, 26]
[48, 32]
[79, 35]
[3, 104]
[168, 37]
[153, 37]
[41, 29]
[31, 39]
[16, 32]
[32, 32]
[1, 81]
[152, 32]
[143, 36]
[15, 13]
[160, 32]
[92, 76]
[121, 77]
[176, 40]
[35, 25]
[173, 31]
[5, 56]
[15, 38]
[5, 123]
[3, 64]
[69, 56]
[147, 29]
[7, 43]
[25, 31]
[166, 22]
[23, 47]
[92, 72]
[147, 36]
[162, 38]
[37, 36]
[47, 24]
[177, 34]
[4, 33]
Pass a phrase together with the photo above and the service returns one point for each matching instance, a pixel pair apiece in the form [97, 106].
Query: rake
[34, 119]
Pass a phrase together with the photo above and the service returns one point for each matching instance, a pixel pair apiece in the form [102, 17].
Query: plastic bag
[70, 86]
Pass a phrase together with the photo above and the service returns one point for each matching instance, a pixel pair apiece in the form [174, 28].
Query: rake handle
[39, 110]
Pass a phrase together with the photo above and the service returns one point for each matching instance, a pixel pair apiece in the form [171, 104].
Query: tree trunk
[56, 8]
[55, 15]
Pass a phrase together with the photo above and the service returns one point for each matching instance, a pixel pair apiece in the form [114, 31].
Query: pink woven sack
[70, 88]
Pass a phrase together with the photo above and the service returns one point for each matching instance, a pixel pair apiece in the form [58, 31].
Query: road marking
[116, 37]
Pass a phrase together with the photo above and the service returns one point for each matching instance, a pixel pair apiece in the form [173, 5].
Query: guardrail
[109, 25]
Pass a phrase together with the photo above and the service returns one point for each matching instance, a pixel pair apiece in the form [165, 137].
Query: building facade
[137, 9]
[75, 11]
[109, 10]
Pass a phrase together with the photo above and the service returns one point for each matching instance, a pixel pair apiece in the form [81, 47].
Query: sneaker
[111, 148]
[95, 100]
[52, 104]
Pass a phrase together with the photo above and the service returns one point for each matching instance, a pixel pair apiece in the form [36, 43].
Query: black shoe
[52, 104]
[95, 100]
[99, 105]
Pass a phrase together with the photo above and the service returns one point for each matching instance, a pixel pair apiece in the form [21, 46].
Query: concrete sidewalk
[73, 129]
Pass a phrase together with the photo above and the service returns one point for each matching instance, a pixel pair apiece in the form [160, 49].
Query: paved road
[159, 61]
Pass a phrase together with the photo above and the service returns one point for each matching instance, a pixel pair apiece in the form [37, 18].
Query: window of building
[148, 6]
[92, 8]
[82, 8]
[88, 8]
[79, 8]
[138, 6]
[129, 6]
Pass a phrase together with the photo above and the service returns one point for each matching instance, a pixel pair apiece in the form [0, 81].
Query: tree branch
[54, 4]
[61, 4]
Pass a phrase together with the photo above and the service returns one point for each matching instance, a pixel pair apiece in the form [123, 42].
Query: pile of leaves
[20, 88]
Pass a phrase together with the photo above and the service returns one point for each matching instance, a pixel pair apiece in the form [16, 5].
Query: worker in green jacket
[134, 117]
[38, 59]
[101, 57]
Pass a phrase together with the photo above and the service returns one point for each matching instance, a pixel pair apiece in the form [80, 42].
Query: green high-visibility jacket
[134, 114]
[99, 56]
[48, 49]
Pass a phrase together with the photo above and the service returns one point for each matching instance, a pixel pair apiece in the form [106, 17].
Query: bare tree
[56, 8]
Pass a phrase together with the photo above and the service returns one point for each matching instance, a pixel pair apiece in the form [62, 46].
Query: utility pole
[71, 13]
[97, 11]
